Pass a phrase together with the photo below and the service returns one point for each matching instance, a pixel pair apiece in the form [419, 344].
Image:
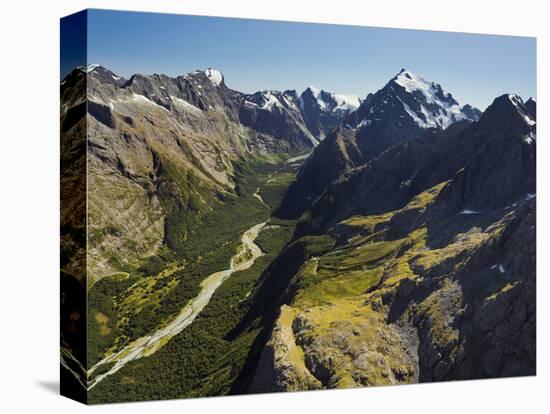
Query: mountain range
[205, 126]
[420, 244]
[401, 111]
[373, 241]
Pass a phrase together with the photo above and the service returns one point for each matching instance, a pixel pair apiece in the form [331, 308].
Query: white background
[29, 171]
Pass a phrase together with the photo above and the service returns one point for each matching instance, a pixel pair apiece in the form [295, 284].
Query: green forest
[205, 358]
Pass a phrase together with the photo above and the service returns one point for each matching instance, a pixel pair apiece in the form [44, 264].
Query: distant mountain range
[300, 120]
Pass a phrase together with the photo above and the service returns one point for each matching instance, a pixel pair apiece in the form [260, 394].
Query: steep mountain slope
[499, 147]
[73, 179]
[161, 154]
[402, 110]
[323, 111]
[421, 266]
[154, 158]
[277, 114]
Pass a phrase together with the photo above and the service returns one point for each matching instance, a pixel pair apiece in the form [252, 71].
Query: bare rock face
[349, 355]
[321, 348]
[277, 114]
[281, 366]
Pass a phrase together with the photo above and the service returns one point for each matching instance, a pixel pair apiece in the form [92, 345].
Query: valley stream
[247, 253]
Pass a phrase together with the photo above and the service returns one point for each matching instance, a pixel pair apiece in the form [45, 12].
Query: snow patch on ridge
[469, 212]
[88, 68]
[364, 122]
[184, 104]
[346, 103]
[530, 138]
[143, 99]
[413, 115]
[269, 101]
[518, 103]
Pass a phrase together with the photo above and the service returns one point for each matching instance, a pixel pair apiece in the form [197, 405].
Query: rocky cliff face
[323, 110]
[156, 150]
[432, 271]
[73, 179]
[277, 114]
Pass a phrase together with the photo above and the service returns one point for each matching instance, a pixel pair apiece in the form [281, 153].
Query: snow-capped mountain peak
[410, 99]
[438, 108]
[315, 91]
[414, 83]
[214, 75]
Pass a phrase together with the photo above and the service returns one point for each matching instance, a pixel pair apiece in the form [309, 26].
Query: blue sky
[259, 54]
